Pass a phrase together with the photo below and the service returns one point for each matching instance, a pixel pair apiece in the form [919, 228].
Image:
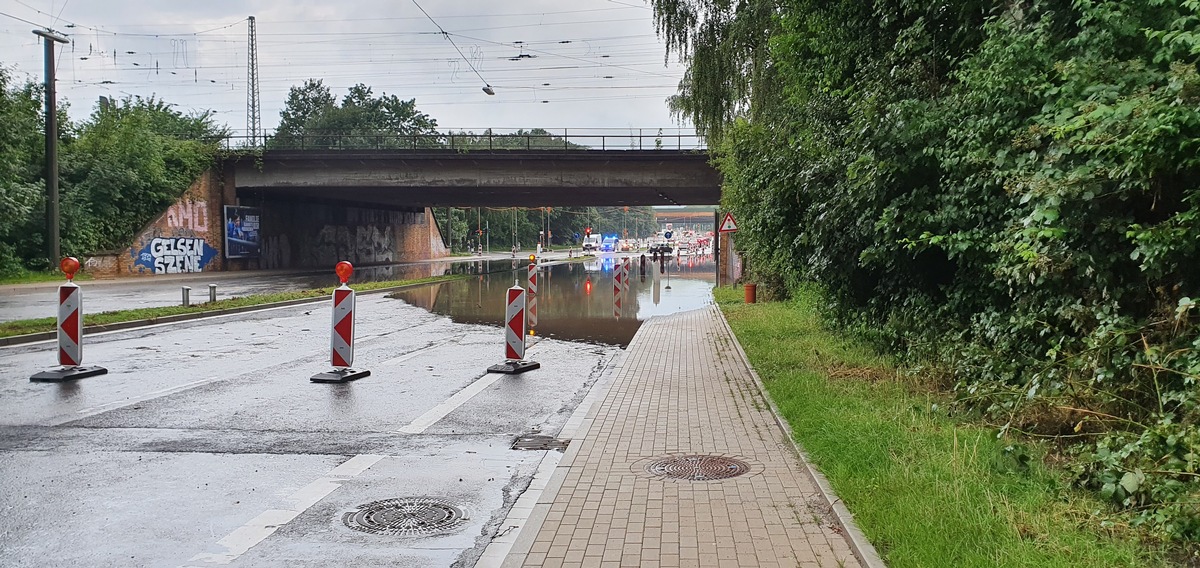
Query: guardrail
[571, 141]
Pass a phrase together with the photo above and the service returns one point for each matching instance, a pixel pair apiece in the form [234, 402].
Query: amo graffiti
[173, 255]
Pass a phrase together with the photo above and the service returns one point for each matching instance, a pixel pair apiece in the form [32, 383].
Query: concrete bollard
[70, 331]
[341, 342]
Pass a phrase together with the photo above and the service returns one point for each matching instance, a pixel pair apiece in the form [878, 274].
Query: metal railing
[578, 140]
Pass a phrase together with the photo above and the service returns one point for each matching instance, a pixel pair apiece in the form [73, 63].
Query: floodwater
[576, 301]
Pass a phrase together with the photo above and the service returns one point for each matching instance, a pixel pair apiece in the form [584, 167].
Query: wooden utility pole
[52, 243]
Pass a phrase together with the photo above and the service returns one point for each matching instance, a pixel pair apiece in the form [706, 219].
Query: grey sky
[596, 63]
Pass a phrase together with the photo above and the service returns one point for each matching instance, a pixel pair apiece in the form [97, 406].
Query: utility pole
[252, 115]
[51, 147]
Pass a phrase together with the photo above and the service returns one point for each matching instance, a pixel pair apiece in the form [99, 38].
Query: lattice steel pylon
[253, 125]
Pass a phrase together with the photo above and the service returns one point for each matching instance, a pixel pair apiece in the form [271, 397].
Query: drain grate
[698, 468]
[412, 516]
[539, 442]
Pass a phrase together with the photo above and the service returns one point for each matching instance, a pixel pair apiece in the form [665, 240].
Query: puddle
[576, 300]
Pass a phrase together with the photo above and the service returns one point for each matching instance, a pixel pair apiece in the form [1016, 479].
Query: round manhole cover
[412, 516]
[698, 468]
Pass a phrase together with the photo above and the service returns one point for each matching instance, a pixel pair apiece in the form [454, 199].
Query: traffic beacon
[342, 337]
[70, 331]
[514, 335]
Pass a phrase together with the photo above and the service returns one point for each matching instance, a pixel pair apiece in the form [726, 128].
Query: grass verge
[32, 277]
[926, 489]
[22, 327]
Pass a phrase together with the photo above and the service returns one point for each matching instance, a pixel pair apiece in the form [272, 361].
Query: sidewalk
[684, 388]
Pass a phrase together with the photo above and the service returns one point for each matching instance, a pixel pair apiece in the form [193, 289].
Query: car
[591, 243]
[609, 244]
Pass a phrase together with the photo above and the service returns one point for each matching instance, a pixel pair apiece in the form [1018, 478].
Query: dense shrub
[1009, 191]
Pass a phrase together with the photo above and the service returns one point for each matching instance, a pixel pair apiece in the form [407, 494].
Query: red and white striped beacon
[70, 331]
[341, 342]
[617, 285]
[514, 334]
[531, 301]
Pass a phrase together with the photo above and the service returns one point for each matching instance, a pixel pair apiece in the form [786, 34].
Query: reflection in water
[67, 390]
[341, 399]
[410, 271]
[575, 301]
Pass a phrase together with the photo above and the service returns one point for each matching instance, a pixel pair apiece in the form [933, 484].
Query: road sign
[728, 225]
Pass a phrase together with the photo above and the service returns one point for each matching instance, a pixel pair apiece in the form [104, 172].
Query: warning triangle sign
[728, 225]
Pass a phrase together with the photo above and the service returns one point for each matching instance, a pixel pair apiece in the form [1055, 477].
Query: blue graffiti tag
[173, 255]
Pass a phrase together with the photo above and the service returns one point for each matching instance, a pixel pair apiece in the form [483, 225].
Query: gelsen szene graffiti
[172, 255]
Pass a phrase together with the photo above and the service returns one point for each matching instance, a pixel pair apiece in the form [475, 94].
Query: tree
[132, 159]
[312, 118]
[22, 151]
[1006, 190]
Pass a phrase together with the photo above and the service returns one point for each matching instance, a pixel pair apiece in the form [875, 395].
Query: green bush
[1008, 193]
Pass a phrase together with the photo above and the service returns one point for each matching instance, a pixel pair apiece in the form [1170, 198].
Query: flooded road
[576, 300]
[206, 443]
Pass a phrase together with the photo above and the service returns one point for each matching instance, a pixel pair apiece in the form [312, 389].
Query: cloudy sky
[577, 64]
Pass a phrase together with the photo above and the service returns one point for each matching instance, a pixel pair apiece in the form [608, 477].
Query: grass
[926, 489]
[30, 277]
[22, 327]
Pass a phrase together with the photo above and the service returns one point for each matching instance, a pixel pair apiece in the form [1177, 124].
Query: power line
[24, 20]
[486, 87]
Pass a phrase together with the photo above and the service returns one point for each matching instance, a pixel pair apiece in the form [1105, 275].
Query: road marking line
[440, 411]
[94, 410]
[424, 349]
[266, 523]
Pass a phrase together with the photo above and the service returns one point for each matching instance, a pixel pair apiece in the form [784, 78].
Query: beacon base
[67, 374]
[340, 375]
[514, 366]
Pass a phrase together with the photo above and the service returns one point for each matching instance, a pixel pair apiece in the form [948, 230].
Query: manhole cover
[405, 517]
[698, 468]
[539, 442]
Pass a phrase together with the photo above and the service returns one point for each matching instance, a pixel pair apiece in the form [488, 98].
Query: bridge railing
[579, 140]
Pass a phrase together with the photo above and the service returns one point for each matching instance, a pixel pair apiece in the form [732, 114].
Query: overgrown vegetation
[1005, 193]
[927, 489]
[118, 170]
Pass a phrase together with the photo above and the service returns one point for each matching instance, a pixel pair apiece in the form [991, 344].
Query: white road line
[266, 523]
[421, 350]
[440, 411]
[94, 410]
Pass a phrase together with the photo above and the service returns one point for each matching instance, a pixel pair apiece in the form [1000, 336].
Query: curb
[862, 548]
[93, 329]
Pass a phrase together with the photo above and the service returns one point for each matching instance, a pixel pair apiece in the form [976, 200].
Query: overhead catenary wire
[486, 87]
[572, 62]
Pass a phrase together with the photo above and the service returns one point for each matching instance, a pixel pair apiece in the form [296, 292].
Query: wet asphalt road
[202, 430]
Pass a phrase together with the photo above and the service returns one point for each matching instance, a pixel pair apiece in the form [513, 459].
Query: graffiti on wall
[173, 255]
[189, 215]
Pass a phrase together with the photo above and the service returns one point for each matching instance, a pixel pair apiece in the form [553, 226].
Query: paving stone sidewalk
[683, 388]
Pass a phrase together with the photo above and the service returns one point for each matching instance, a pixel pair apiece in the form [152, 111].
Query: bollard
[212, 292]
[70, 331]
[514, 335]
[187, 296]
[341, 342]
